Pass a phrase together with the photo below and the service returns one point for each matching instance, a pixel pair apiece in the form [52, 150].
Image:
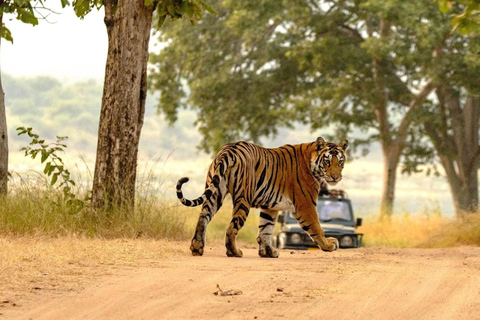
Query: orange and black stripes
[284, 178]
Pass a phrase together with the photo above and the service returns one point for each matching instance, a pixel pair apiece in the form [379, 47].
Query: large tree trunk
[128, 25]
[391, 157]
[456, 140]
[3, 135]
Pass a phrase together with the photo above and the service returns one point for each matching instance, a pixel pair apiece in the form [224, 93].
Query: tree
[26, 11]
[128, 23]
[352, 64]
[453, 130]
[452, 121]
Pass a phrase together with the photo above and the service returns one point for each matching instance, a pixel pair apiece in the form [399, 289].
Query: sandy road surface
[359, 284]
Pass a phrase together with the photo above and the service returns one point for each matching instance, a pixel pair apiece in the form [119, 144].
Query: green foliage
[26, 11]
[468, 20]
[54, 167]
[83, 7]
[419, 154]
[220, 59]
[175, 9]
[255, 68]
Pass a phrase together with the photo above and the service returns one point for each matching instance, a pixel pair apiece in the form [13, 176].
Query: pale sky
[65, 47]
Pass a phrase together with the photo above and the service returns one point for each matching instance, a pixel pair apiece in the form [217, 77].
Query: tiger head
[327, 161]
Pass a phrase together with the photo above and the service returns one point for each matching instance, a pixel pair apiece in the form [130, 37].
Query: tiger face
[328, 160]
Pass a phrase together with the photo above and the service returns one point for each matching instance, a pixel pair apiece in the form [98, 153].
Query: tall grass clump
[38, 209]
[56, 203]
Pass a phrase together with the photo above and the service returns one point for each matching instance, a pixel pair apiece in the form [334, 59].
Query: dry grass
[427, 231]
[38, 211]
[400, 231]
[31, 264]
[457, 232]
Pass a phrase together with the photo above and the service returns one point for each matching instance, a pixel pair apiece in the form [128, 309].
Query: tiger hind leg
[240, 214]
[265, 234]
[209, 208]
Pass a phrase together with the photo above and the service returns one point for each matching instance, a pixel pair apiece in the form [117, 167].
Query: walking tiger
[272, 179]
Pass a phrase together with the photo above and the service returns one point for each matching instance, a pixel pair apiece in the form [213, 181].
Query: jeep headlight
[295, 238]
[346, 241]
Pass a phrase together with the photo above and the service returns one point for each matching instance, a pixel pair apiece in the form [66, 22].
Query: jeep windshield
[328, 210]
[333, 209]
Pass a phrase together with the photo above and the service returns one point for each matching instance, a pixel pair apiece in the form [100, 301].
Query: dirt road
[347, 284]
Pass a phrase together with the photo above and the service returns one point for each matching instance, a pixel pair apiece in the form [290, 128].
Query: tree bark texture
[391, 157]
[128, 25]
[3, 136]
[456, 141]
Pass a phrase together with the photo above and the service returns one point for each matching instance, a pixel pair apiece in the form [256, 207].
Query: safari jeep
[336, 218]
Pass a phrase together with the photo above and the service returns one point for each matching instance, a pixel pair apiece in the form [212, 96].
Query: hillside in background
[169, 152]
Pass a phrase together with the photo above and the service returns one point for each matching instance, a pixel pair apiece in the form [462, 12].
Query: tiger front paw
[266, 250]
[197, 247]
[332, 244]
[233, 252]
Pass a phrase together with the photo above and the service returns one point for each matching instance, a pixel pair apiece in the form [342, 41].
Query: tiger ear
[343, 144]
[320, 143]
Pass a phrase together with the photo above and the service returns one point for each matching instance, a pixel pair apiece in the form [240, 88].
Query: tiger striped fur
[284, 178]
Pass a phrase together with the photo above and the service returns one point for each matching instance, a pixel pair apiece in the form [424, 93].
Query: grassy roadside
[427, 231]
[39, 212]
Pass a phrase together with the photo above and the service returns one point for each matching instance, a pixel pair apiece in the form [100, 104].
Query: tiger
[289, 177]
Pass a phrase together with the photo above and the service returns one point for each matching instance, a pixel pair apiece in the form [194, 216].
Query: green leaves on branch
[54, 166]
[25, 11]
[6, 34]
[468, 21]
[83, 7]
[176, 9]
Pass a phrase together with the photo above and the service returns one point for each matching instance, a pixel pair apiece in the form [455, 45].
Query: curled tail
[205, 196]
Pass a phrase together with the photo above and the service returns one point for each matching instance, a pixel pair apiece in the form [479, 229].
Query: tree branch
[475, 160]
[348, 31]
[416, 103]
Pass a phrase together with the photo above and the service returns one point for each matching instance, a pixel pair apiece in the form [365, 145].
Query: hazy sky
[65, 46]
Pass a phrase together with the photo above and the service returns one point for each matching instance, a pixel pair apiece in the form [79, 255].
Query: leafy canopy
[468, 20]
[27, 11]
[175, 9]
[262, 65]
